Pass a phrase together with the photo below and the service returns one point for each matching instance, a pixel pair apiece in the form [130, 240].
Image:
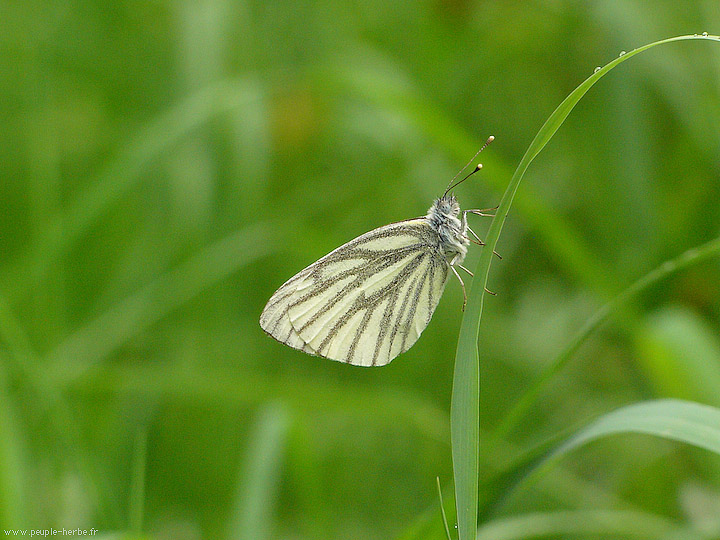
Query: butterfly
[369, 300]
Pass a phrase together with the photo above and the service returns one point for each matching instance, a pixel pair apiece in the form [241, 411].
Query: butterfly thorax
[452, 231]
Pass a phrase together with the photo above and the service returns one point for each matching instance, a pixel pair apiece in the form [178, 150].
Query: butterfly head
[443, 216]
[447, 206]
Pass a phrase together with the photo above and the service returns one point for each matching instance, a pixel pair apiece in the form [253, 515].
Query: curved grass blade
[465, 414]
[677, 420]
[625, 523]
[442, 509]
[530, 397]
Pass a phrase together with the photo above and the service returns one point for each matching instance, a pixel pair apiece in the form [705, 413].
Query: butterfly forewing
[367, 301]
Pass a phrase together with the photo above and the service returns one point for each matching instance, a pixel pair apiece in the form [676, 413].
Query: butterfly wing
[365, 302]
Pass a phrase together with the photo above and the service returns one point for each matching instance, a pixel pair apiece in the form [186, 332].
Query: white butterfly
[370, 299]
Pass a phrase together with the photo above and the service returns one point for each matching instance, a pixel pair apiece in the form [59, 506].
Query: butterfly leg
[473, 275]
[462, 284]
[480, 242]
[477, 238]
[483, 212]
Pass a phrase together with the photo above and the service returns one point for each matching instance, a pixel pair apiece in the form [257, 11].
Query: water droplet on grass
[705, 34]
[597, 69]
[622, 53]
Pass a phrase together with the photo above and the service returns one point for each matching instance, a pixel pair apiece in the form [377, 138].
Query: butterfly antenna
[451, 185]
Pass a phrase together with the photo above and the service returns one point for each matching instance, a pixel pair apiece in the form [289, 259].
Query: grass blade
[625, 523]
[679, 353]
[442, 509]
[678, 420]
[253, 509]
[530, 397]
[465, 414]
[683, 421]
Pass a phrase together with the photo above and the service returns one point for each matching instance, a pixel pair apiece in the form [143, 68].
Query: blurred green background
[167, 165]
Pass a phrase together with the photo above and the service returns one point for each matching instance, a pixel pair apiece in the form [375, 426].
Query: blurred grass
[12, 464]
[585, 522]
[262, 469]
[167, 165]
[137, 489]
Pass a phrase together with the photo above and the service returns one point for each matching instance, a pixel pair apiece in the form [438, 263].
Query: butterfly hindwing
[365, 302]
[274, 319]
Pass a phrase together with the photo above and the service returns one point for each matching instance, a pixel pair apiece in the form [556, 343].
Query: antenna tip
[490, 139]
[479, 166]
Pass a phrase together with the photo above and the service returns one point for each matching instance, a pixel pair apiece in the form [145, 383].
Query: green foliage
[167, 165]
[465, 413]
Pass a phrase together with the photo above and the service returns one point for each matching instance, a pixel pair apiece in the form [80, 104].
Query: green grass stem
[465, 414]
[258, 486]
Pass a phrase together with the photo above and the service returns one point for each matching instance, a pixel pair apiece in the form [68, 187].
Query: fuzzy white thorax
[443, 216]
